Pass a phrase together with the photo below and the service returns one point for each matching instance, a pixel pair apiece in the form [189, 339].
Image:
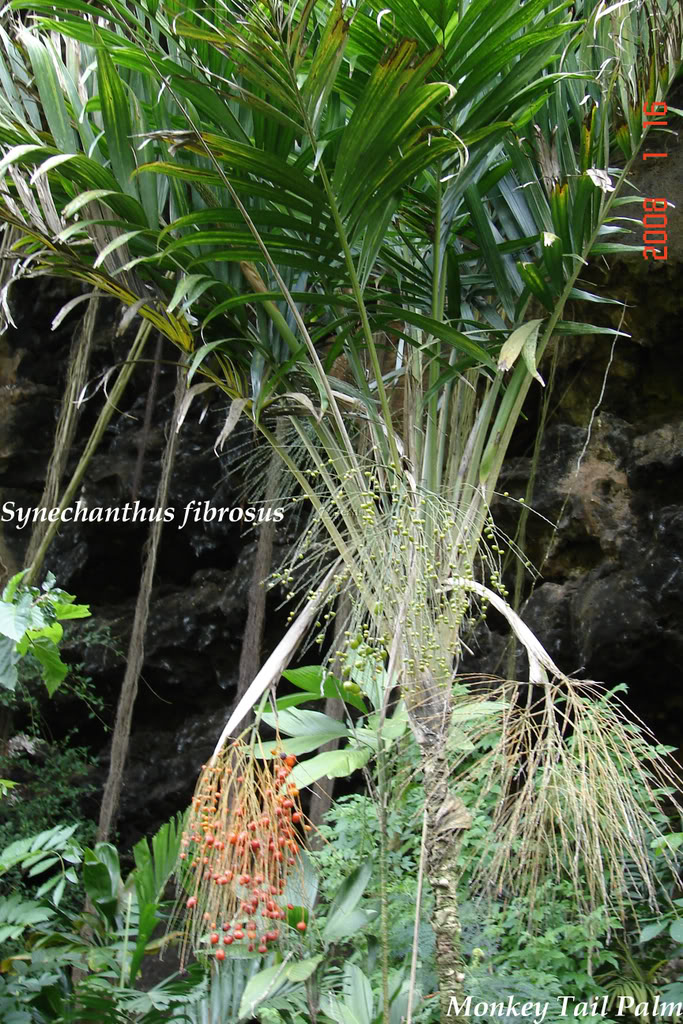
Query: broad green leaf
[302, 724]
[301, 887]
[66, 610]
[37, 869]
[145, 184]
[147, 922]
[292, 700]
[399, 995]
[337, 764]
[53, 669]
[584, 296]
[358, 993]
[266, 983]
[50, 885]
[102, 880]
[346, 901]
[9, 675]
[54, 633]
[14, 620]
[337, 1010]
[154, 867]
[445, 332]
[392, 728]
[670, 841]
[478, 20]
[536, 284]
[5, 786]
[458, 740]
[17, 153]
[309, 677]
[300, 744]
[349, 925]
[320, 683]
[553, 250]
[613, 248]
[58, 891]
[27, 852]
[500, 423]
[301, 970]
[115, 243]
[92, 195]
[489, 237]
[50, 164]
[188, 289]
[651, 931]
[529, 357]
[12, 586]
[324, 66]
[17, 914]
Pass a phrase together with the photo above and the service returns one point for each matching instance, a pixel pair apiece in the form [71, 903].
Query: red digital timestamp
[655, 220]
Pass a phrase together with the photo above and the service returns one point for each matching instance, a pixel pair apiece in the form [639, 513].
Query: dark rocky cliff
[606, 530]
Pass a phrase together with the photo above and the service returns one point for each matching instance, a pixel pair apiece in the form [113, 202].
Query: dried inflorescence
[243, 839]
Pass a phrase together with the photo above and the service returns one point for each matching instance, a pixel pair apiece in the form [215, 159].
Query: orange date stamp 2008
[654, 208]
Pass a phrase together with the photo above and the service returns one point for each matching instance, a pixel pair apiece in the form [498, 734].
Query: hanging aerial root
[243, 841]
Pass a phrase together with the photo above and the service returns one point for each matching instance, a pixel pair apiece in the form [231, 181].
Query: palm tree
[364, 224]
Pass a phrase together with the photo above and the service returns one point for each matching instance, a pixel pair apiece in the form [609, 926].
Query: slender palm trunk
[92, 444]
[76, 377]
[136, 647]
[143, 439]
[447, 816]
[252, 641]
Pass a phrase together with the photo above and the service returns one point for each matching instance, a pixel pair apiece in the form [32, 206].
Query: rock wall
[606, 530]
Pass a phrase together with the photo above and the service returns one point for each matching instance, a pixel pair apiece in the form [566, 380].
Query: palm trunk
[252, 641]
[136, 647]
[77, 374]
[143, 439]
[446, 817]
[92, 444]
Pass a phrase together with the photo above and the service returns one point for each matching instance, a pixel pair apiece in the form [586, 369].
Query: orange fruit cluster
[243, 839]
